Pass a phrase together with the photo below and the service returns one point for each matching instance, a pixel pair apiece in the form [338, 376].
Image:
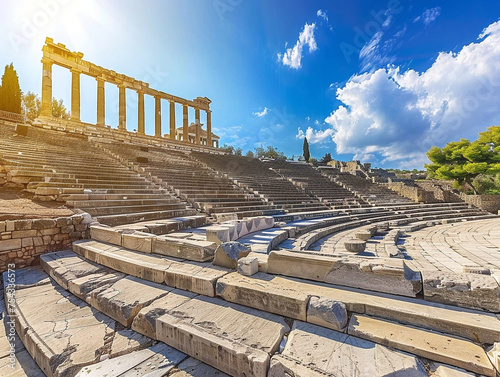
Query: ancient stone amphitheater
[183, 261]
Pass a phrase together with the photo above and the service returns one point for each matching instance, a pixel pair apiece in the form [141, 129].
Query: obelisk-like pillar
[122, 116]
[172, 120]
[75, 95]
[185, 125]
[140, 113]
[158, 116]
[46, 109]
[100, 102]
[209, 128]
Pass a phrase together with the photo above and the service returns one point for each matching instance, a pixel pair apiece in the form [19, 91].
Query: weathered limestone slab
[82, 287]
[327, 313]
[222, 217]
[218, 234]
[262, 260]
[145, 321]
[442, 370]
[200, 251]
[126, 341]
[248, 266]
[138, 241]
[106, 234]
[229, 337]
[30, 277]
[191, 276]
[265, 241]
[381, 275]
[153, 362]
[232, 230]
[264, 292]
[125, 298]
[466, 290]
[195, 368]
[66, 266]
[317, 351]
[24, 366]
[228, 253]
[432, 345]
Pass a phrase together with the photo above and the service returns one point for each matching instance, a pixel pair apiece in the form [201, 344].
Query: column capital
[75, 70]
[46, 60]
[100, 79]
[140, 91]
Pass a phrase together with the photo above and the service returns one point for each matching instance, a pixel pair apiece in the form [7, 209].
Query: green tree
[249, 154]
[463, 160]
[326, 158]
[31, 105]
[305, 150]
[238, 151]
[10, 91]
[59, 110]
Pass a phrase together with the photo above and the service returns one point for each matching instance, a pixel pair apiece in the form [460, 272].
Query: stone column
[46, 109]
[140, 113]
[185, 124]
[158, 116]
[75, 95]
[197, 122]
[100, 102]
[172, 120]
[209, 128]
[122, 117]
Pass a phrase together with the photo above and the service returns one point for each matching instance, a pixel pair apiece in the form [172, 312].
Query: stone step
[289, 296]
[183, 274]
[128, 218]
[75, 335]
[107, 198]
[118, 210]
[160, 200]
[313, 351]
[425, 343]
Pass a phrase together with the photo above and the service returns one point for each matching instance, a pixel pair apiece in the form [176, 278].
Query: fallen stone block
[228, 253]
[232, 338]
[355, 246]
[328, 313]
[248, 266]
[377, 274]
[219, 234]
[425, 343]
[200, 251]
[466, 290]
[317, 351]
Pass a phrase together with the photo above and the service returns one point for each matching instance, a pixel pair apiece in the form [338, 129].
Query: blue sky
[380, 81]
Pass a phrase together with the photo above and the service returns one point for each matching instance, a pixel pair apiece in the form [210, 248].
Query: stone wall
[11, 117]
[417, 194]
[23, 241]
[490, 203]
[442, 191]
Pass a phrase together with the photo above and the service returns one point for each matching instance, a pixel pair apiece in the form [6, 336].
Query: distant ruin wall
[11, 117]
[23, 241]
[416, 194]
[490, 203]
[440, 191]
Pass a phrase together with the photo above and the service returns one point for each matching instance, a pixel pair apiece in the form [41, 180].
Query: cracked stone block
[200, 251]
[138, 241]
[228, 253]
[380, 275]
[467, 290]
[154, 361]
[327, 313]
[125, 298]
[145, 321]
[315, 351]
[232, 338]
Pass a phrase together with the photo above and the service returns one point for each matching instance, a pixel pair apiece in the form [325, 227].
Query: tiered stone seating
[188, 178]
[373, 193]
[256, 176]
[314, 183]
[47, 163]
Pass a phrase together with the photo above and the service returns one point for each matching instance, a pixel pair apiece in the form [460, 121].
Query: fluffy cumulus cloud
[428, 16]
[292, 57]
[394, 117]
[262, 113]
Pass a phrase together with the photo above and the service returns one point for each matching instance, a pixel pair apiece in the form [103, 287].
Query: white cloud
[315, 137]
[428, 16]
[397, 116]
[375, 54]
[322, 14]
[262, 113]
[292, 57]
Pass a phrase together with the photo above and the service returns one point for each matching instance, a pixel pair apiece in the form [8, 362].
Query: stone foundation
[23, 241]
[490, 203]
